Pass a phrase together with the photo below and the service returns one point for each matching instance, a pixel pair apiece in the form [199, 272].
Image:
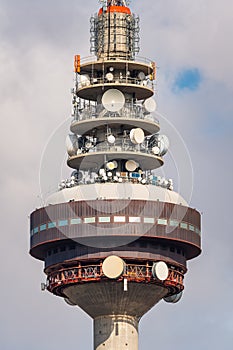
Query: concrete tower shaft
[115, 238]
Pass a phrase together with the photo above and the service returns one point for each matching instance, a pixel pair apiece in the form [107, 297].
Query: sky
[192, 45]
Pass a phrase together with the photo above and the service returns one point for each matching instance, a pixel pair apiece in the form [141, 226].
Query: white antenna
[113, 100]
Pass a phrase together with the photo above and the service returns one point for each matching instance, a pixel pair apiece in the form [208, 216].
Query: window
[119, 218]
[184, 225]
[55, 251]
[63, 223]
[104, 219]
[31, 232]
[198, 231]
[174, 223]
[43, 227]
[149, 220]
[134, 219]
[192, 228]
[172, 249]
[89, 220]
[162, 221]
[35, 230]
[52, 224]
[63, 249]
[75, 221]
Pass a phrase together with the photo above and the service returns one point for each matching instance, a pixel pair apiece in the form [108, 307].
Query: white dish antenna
[111, 139]
[160, 270]
[131, 165]
[113, 100]
[155, 150]
[72, 144]
[141, 76]
[113, 266]
[137, 136]
[109, 76]
[84, 80]
[111, 165]
[150, 105]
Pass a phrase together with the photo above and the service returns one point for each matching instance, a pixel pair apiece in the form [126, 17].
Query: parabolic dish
[113, 100]
[173, 298]
[110, 165]
[109, 76]
[137, 136]
[71, 144]
[160, 270]
[131, 165]
[113, 266]
[150, 105]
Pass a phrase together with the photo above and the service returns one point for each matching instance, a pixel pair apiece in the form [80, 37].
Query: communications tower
[115, 237]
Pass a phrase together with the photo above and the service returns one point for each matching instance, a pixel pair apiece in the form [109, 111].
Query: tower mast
[115, 237]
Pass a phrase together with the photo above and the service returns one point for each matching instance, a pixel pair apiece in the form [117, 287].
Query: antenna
[150, 105]
[113, 100]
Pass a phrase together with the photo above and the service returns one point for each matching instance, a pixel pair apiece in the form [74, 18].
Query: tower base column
[116, 332]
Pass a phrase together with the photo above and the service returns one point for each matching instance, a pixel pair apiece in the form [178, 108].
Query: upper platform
[134, 78]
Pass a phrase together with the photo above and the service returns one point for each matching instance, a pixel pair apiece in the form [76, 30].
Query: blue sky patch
[187, 79]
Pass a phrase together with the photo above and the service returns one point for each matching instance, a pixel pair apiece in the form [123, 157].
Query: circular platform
[82, 127]
[95, 160]
[93, 90]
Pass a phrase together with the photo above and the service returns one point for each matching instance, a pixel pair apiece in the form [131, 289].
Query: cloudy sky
[191, 42]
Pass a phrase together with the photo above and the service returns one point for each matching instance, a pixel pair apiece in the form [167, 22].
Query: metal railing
[132, 272]
[129, 111]
[138, 59]
[122, 79]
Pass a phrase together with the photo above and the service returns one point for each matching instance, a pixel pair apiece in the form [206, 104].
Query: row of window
[116, 219]
[142, 244]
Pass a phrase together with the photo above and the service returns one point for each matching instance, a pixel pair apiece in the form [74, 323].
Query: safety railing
[121, 79]
[132, 272]
[139, 59]
[129, 111]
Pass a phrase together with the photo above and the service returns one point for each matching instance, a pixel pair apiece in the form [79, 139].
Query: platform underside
[109, 297]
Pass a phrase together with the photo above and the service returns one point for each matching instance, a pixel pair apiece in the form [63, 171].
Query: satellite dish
[109, 76]
[141, 76]
[111, 139]
[113, 266]
[113, 100]
[77, 174]
[115, 164]
[160, 270]
[131, 165]
[163, 144]
[84, 80]
[110, 166]
[72, 144]
[150, 105]
[160, 141]
[173, 298]
[137, 136]
[155, 150]
[69, 302]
